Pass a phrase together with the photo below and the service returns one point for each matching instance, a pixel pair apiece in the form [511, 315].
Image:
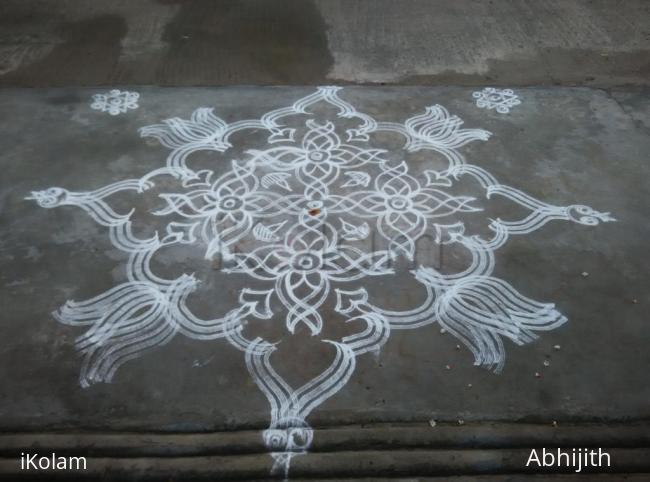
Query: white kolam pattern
[115, 101]
[501, 100]
[303, 202]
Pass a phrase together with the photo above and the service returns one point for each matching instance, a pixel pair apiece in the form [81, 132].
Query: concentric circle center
[306, 261]
[317, 156]
[230, 203]
[399, 203]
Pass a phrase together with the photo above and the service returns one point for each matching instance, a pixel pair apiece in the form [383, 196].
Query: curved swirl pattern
[295, 215]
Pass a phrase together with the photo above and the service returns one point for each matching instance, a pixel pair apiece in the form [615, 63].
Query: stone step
[403, 450]
[333, 439]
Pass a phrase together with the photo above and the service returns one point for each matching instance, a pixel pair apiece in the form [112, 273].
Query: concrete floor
[191, 407]
[203, 42]
[561, 145]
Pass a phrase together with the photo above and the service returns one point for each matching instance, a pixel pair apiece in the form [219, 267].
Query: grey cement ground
[562, 145]
[205, 42]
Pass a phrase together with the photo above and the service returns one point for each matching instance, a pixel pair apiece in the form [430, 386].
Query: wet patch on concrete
[245, 42]
[87, 55]
[174, 42]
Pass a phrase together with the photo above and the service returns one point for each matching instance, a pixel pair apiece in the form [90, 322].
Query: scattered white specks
[13, 284]
[201, 363]
[500, 99]
[115, 101]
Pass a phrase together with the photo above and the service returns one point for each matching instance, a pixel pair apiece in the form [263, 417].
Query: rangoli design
[115, 102]
[502, 100]
[295, 217]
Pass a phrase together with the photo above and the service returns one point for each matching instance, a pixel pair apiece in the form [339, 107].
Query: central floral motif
[295, 216]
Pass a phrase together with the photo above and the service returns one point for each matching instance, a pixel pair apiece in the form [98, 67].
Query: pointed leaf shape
[354, 233]
[180, 233]
[434, 178]
[258, 302]
[357, 178]
[449, 233]
[348, 300]
[278, 178]
[267, 233]
[201, 178]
